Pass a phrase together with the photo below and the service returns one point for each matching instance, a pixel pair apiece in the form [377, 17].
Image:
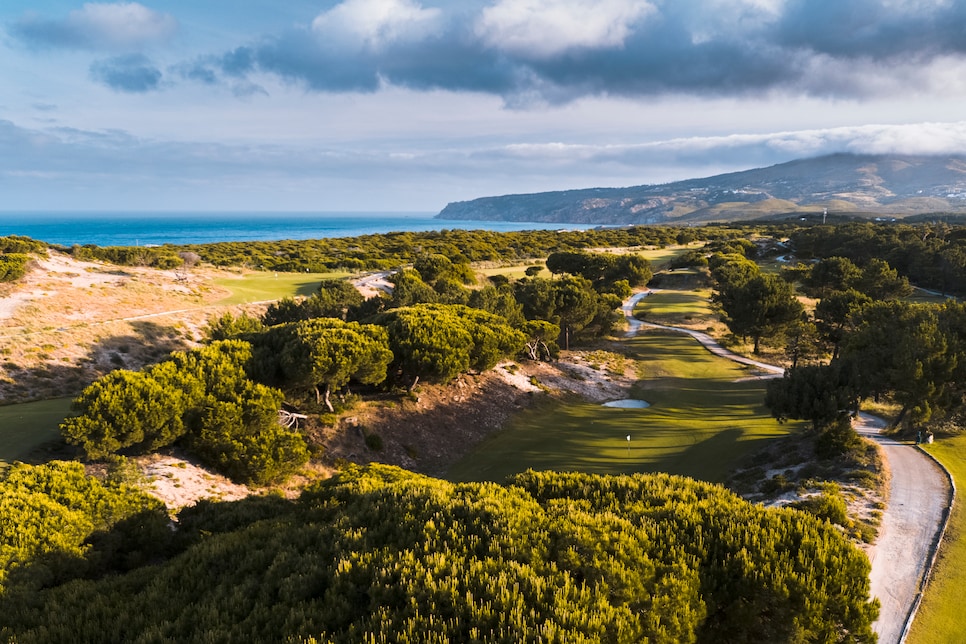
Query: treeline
[222, 402]
[863, 341]
[753, 304]
[383, 555]
[929, 255]
[913, 353]
[391, 250]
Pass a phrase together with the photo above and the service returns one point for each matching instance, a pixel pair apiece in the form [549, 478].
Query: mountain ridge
[894, 184]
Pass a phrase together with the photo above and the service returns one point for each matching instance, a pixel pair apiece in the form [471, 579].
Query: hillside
[875, 184]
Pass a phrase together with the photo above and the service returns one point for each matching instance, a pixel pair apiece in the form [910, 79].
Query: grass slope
[701, 422]
[26, 426]
[940, 617]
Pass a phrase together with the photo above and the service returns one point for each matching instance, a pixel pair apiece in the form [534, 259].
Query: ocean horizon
[179, 228]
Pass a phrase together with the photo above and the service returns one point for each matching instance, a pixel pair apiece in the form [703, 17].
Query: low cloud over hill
[877, 184]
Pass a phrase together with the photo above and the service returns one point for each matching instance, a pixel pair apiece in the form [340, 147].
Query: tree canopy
[437, 342]
[758, 306]
[383, 555]
[203, 397]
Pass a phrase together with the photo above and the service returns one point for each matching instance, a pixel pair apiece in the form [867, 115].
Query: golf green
[704, 418]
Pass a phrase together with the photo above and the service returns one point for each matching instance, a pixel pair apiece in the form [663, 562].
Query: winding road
[920, 496]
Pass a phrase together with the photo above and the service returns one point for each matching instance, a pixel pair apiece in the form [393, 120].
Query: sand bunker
[628, 403]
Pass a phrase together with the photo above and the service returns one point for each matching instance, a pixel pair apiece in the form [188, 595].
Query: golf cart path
[919, 498]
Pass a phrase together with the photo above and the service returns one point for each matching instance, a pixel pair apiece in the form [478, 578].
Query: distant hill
[897, 185]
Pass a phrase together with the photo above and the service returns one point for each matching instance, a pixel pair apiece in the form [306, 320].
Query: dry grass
[69, 322]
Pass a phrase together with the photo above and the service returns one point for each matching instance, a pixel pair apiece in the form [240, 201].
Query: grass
[260, 287]
[919, 296]
[701, 422]
[515, 271]
[677, 308]
[659, 257]
[27, 426]
[940, 617]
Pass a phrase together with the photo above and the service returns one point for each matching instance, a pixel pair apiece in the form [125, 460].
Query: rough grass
[940, 617]
[701, 422]
[261, 287]
[27, 426]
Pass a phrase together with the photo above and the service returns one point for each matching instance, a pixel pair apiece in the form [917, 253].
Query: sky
[406, 105]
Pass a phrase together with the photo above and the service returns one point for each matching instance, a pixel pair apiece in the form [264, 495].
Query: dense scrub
[203, 398]
[376, 252]
[382, 555]
[15, 254]
[932, 256]
[18, 244]
[50, 513]
[13, 266]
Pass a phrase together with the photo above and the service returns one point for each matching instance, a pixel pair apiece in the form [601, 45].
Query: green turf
[516, 271]
[675, 307]
[26, 426]
[659, 257]
[940, 617]
[701, 422]
[261, 287]
[919, 296]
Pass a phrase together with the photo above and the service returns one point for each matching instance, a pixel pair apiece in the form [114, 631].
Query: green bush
[383, 555]
[828, 505]
[13, 266]
[49, 512]
[374, 442]
[202, 396]
[837, 439]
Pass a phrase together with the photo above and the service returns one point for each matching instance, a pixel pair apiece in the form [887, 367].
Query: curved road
[920, 496]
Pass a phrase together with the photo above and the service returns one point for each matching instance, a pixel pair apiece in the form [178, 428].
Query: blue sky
[410, 104]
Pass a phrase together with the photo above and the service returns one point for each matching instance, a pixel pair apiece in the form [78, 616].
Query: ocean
[159, 228]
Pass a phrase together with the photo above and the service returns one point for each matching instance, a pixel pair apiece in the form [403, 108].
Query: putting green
[261, 287]
[701, 422]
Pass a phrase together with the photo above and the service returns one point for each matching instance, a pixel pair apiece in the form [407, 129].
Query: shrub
[374, 442]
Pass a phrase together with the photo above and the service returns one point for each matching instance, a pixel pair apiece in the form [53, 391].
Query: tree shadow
[148, 344]
[305, 289]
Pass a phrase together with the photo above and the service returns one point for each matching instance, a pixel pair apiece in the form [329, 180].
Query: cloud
[132, 73]
[126, 26]
[375, 23]
[61, 167]
[545, 28]
[556, 51]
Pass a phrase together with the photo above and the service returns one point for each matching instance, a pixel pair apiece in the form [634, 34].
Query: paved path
[919, 499]
[920, 496]
[706, 340]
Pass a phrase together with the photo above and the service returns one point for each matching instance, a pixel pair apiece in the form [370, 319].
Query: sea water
[158, 228]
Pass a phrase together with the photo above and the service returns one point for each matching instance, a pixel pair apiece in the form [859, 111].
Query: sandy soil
[68, 322]
[179, 483]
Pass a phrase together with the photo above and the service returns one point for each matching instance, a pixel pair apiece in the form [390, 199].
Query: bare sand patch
[179, 483]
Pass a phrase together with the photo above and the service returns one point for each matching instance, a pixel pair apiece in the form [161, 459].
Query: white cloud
[126, 25]
[544, 28]
[917, 138]
[376, 23]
